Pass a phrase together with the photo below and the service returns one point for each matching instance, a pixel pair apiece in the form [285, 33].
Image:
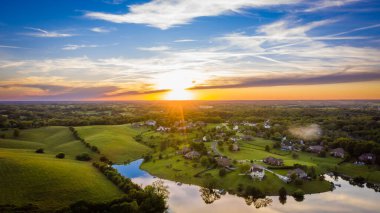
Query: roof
[338, 150]
[256, 168]
[222, 161]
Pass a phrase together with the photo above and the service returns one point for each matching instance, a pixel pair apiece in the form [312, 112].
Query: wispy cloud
[154, 49]
[76, 46]
[10, 47]
[184, 40]
[323, 4]
[165, 14]
[289, 80]
[47, 34]
[101, 30]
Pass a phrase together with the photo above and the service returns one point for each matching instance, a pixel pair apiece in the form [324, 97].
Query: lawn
[115, 141]
[48, 182]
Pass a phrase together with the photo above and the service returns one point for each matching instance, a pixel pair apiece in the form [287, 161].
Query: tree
[204, 161]
[294, 155]
[299, 195]
[16, 133]
[282, 195]
[40, 151]
[322, 154]
[83, 157]
[60, 155]
[222, 172]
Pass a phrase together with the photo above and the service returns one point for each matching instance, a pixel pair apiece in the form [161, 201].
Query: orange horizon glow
[343, 91]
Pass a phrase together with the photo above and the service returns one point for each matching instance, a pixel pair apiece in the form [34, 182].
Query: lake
[192, 198]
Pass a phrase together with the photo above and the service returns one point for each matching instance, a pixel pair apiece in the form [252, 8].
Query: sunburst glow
[177, 83]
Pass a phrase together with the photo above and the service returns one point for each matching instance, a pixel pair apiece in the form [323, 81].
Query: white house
[236, 127]
[151, 123]
[204, 138]
[256, 172]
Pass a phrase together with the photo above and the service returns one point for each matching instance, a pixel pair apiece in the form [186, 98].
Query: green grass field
[114, 141]
[52, 139]
[48, 182]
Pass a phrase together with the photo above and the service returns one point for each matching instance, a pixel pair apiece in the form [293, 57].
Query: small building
[338, 152]
[163, 129]
[315, 149]
[267, 125]
[245, 123]
[256, 172]
[299, 173]
[223, 162]
[204, 139]
[192, 155]
[273, 161]
[236, 127]
[235, 147]
[368, 158]
[150, 123]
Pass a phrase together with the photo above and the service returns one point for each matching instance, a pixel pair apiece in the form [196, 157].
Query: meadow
[46, 181]
[114, 141]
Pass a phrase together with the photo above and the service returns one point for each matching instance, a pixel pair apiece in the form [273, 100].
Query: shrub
[222, 172]
[298, 195]
[298, 182]
[295, 156]
[83, 157]
[60, 155]
[40, 151]
[267, 148]
[16, 133]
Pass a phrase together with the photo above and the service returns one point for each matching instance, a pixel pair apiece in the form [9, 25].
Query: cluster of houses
[178, 125]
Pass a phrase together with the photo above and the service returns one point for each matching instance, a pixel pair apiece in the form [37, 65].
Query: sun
[177, 83]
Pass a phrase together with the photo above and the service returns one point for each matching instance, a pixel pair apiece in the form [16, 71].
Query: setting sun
[177, 83]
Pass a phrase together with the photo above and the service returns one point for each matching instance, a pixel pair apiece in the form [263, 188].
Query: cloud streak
[165, 14]
[47, 34]
[291, 80]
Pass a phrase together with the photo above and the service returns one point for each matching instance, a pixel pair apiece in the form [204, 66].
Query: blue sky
[111, 48]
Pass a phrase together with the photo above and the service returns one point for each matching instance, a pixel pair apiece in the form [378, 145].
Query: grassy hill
[52, 139]
[48, 182]
[114, 141]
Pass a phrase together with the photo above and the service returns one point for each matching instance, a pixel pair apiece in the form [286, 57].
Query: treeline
[135, 200]
[87, 144]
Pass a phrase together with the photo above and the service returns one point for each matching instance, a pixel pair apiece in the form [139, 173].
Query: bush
[267, 148]
[16, 133]
[83, 157]
[254, 192]
[40, 151]
[298, 195]
[298, 182]
[222, 172]
[322, 154]
[295, 156]
[60, 155]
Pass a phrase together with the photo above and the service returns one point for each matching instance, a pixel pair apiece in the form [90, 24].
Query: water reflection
[190, 198]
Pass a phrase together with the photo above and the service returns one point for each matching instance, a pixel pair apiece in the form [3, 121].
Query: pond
[192, 198]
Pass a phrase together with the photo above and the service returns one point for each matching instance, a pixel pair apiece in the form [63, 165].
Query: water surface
[191, 198]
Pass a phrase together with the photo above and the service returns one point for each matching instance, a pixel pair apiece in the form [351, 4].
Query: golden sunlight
[177, 83]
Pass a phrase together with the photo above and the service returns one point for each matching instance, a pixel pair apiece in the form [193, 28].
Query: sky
[189, 49]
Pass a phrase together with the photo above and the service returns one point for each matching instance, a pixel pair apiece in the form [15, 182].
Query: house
[204, 138]
[338, 152]
[267, 125]
[273, 161]
[245, 123]
[236, 127]
[315, 149]
[234, 139]
[298, 172]
[256, 172]
[235, 147]
[150, 123]
[223, 161]
[286, 146]
[163, 129]
[367, 158]
[192, 155]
